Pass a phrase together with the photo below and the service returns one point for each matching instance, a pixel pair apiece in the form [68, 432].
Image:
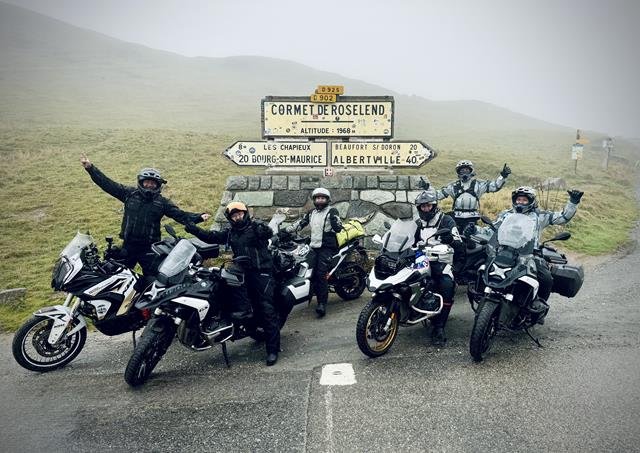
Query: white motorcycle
[402, 287]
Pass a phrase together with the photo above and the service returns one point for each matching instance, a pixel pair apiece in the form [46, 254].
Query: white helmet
[320, 192]
[530, 194]
[465, 175]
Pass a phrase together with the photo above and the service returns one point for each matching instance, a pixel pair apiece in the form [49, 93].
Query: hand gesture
[205, 216]
[575, 196]
[84, 160]
[506, 171]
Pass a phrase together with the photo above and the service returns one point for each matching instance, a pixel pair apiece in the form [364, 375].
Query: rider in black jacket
[249, 237]
[144, 208]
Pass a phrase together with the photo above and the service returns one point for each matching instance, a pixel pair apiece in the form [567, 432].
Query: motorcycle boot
[539, 309]
[321, 309]
[438, 322]
[272, 358]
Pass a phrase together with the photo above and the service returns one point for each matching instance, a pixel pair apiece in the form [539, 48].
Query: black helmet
[428, 196]
[152, 174]
[524, 191]
[464, 169]
[321, 192]
[237, 206]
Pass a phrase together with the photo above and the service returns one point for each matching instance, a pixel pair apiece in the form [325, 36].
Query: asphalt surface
[580, 392]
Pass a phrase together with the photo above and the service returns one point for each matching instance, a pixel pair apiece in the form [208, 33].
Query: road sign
[330, 89]
[278, 154]
[576, 151]
[350, 116]
[381, 154]
[324, 97]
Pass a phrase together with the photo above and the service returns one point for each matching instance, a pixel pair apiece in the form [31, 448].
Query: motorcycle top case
[567, 279]
[351, 229]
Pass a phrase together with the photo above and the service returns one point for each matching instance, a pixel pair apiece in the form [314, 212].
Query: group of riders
[144, 207]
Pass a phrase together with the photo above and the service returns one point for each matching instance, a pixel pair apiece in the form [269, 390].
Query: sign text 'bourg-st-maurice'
[278, 154]
[348, 117]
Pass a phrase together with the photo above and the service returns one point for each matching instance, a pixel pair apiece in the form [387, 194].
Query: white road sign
[278, 154]
[381, 154]
[348, 117]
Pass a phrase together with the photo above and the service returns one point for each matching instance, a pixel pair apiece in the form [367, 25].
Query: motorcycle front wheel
[351, 282]
[153, 344]
[484, 329]
[377, 329]
[32, 350]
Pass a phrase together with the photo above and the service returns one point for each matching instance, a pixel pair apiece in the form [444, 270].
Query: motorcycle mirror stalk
[559, 237]
[488, 221]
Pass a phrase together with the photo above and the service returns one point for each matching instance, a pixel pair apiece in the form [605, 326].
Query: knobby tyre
[372, 334]
[32, 350]
[484, 329]
[351, 283]
[152, 346]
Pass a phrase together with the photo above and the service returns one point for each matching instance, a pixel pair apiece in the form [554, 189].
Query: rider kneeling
[249, 237]
[431, 219]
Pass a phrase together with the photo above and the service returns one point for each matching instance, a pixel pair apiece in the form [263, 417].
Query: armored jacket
[324, 225]
[252, 240]
[466, 196]
[544, 218]
[142, 212]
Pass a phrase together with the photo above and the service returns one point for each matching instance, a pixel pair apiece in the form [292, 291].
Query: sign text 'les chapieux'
[349, 116]
[278, 154]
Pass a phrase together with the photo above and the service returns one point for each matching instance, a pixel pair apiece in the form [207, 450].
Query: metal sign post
[607, 144]
[576, 155]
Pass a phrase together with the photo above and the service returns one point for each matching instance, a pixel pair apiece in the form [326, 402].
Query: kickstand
[133, 334]
[224, 353]
[535, 340]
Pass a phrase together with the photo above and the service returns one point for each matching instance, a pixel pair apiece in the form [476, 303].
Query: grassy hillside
[47, 196]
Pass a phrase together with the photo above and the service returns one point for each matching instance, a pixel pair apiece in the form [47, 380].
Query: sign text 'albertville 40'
[381, 154]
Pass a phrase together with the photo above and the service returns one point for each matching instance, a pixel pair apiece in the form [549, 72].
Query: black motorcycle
[508, 282]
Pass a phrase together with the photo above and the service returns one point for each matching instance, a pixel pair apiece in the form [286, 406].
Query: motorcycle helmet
[153, 175]
[464, 169]
[232, 208]
[530, 194]
[427, 197]
[321, 192]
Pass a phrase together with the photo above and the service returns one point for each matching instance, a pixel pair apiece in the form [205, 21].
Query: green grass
[47, 196]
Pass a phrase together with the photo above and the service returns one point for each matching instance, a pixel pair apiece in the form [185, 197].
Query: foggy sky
[570, 62]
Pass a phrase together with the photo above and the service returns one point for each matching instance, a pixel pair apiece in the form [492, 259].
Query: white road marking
[338, 374]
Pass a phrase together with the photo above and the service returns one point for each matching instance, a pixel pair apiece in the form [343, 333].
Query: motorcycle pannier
[351, 229]
[567, 279]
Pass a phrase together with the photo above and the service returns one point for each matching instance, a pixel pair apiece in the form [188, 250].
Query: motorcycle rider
[324, 222]
[467, 191]
[430, 219]
[524, 201]
[249, 237]
[144, 207]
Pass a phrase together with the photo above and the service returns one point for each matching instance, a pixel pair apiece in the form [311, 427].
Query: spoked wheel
[32, 350]
[352, 282]
[484, 329]
[377, 329]
[152, 346]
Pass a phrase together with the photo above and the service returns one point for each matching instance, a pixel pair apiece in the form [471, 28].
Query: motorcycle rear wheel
[151, 348]
[484, 329]
[45, 357]
[352, 282]
[373, 340]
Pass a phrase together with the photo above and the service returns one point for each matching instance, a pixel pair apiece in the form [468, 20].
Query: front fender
[62, 319]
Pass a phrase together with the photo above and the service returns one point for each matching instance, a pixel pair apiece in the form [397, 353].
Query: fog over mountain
[53, 73]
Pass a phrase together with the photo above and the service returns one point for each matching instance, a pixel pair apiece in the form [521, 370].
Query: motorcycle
[102, 290]
[184, 298]
[508, 281]
[402, 287]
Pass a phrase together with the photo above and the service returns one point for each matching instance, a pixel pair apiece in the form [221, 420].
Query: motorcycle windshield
[178, 259]
[519, 232]
[73, 248]
[399, 237]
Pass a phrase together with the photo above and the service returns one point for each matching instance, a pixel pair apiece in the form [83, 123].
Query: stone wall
[375, 199]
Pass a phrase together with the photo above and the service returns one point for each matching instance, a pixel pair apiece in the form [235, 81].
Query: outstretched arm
[183, 217]
[117, 190]
[210, 237]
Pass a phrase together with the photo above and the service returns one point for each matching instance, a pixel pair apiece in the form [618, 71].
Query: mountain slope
[52, 73]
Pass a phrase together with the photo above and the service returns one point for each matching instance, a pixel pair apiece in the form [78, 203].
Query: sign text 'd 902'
[348, 117]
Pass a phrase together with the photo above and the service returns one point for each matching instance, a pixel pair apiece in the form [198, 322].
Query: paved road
[581, 392]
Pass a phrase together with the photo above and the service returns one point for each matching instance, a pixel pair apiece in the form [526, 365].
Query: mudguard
[62, 318]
